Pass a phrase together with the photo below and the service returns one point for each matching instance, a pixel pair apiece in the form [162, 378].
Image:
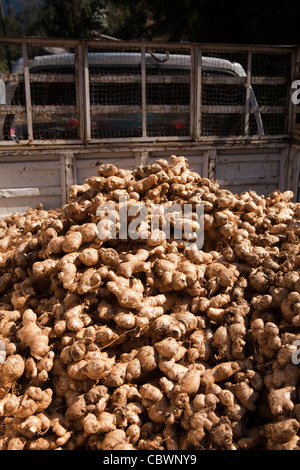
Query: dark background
[231, 21]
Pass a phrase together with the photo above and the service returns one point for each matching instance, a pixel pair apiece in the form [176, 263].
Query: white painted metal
[86, 164]
[24, 182]
[261, 170]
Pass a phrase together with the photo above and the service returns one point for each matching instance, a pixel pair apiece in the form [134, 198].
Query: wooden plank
[275, 49]
[52, 77]
[243, 156]
[220, 80]
[229, 140]
[248, 91]
[86, 98]
[39, 41]
[161, 109]
[12, 77]
[54, 109]
[142, 158]
[136, 140]
[134, 46]
[32, 192]
[63, 183]
[223, 80]
[216, 109]
[269, 80]
[65, 42]
[212, 163]
[143, 97]
[79, 86]
[27, 92]
[291, 107]
[52, 144]
[19, 192]
[115, 78]
[296, 175]
[12, 109]
[27, 166]
[191, 111]
[269, 109]
[70, 171]
[127, 109]
[199, 78]
[257, 48]
[247, 181]
[166, 79]
[106, 109]
[248, 169]
[283, 170]
[291, 156]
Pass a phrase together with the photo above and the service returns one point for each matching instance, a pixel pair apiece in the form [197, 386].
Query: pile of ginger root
[140, 343]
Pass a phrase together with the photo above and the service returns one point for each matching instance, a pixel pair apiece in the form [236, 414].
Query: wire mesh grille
[135, 91]
[115, 92]
[270, 77]
[268, 96]
[223, 93]
[52, 90]
[168, 92]
[126, 84]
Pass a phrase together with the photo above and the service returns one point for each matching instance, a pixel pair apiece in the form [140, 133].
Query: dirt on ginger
[145, 341]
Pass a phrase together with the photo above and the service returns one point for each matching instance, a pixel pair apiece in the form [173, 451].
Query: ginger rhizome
[146, 341]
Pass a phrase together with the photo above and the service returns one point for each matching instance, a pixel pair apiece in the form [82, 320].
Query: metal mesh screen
[53, 93]
[98, 90]
[168, 94]
[127, 86]
[223, 93]
[115, 92]
[270, 83]
[12, 95]
[224, 81]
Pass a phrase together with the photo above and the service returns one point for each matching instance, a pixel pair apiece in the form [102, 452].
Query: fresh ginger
[145, 341]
